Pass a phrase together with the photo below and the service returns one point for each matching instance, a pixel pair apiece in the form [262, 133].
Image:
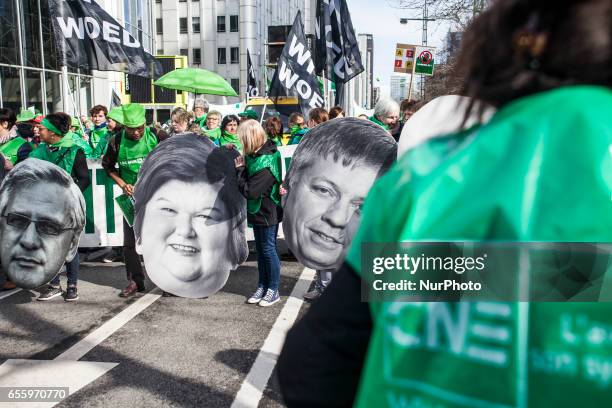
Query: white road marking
[254, 384]
[107, 329]
[9, 293]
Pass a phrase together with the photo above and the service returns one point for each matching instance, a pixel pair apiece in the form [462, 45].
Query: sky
[378, 18]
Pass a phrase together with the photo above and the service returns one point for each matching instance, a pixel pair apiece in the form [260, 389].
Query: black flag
[251, 82]
[89, 38]
[337, 51]
[115, 100]
[295, 72]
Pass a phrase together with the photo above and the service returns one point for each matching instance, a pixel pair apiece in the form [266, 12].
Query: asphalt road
[177, 352]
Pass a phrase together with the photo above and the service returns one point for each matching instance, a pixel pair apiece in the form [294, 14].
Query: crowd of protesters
[114, 135]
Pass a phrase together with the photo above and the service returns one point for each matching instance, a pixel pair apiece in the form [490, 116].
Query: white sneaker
[271, 298]
[257, 296]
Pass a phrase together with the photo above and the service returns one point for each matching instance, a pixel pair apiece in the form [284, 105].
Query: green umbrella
[196, 80]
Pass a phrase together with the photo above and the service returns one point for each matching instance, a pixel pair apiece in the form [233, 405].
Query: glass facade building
[30, 72]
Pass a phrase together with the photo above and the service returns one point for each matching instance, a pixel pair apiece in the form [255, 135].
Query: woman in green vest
[14, 148]
[127, 151]
[229, 130]
[259, 178]
[539, 171]
[58, 147]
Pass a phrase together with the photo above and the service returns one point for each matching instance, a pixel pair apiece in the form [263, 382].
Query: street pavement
[177, 352]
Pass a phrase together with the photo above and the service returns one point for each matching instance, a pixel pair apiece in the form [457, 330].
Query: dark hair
[318, 115]
[273, 127]
[335, 111]
[97, 109]
[408, 104]
[62, 121]
[192, 158]
[227, 119]
[350, 141]
[520, 47]
[7, 115]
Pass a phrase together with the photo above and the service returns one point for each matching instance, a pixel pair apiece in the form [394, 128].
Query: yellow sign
[404, 58]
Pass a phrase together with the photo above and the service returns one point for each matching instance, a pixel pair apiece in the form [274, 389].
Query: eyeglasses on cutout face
[43, 227]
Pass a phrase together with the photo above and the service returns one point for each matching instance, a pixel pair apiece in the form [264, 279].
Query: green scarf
[523, 177]
[378, 122]
[201, 121]
[228, 138]
[214, 134]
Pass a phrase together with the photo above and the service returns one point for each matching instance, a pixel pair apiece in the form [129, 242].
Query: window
[195, 24]
[221, 56]
[183, 25]
[234, 55]
[220, 24]
[234, 24]
[235, 82]
[197, 56]
[159, 26]
[184, 51]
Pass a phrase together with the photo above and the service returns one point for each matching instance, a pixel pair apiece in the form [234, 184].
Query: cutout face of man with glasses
[42, 216]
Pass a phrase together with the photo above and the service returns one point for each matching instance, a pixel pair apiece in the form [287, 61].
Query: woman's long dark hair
[520, 47]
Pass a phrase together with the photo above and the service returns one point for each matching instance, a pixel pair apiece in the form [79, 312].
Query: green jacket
[96, 135]
[297, 135]
[540, 170]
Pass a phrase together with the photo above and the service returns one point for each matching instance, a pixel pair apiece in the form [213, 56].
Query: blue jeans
[72, 272]
[268, 262]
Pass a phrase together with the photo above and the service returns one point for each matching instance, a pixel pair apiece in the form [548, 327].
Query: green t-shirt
[540, 170]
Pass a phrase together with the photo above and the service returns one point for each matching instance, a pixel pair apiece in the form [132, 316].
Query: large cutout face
[36, 234]
[185, 239]
[322, 210]
[190, 217]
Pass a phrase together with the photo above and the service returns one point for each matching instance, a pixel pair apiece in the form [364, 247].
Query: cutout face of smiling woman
[189, 216]
[185, 238]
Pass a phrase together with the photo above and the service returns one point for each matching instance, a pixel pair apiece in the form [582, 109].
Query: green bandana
[46, 123]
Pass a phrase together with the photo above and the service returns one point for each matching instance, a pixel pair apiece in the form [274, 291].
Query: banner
[89, 38]
[251, 82]
[294, 75]
[104, 220]
[337, 55]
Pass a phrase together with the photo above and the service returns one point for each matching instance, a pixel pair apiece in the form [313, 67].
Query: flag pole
[263, 111]
[68, 95]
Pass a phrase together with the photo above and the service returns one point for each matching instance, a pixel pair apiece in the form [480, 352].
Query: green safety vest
[102, 146]
[96, 135]
[525, 176]
[78, 140]
[132, 154]
[254, 165]
[10, 148]
[63, 157]
[228, 138]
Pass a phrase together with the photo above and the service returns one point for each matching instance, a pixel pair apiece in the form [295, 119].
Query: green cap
[250, 113]
[75, 122]
[26, 115]
[116, 114]
[133, 115]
